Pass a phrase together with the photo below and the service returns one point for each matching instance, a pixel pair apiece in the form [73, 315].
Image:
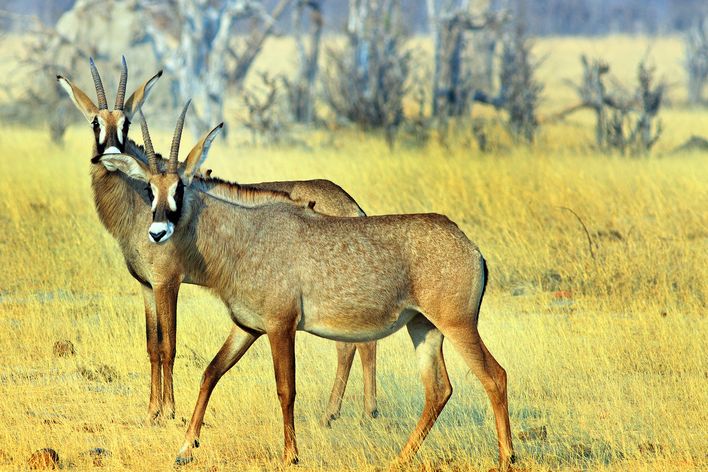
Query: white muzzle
[160, 232]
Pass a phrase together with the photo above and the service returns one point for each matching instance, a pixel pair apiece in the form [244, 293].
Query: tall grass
[604, 341]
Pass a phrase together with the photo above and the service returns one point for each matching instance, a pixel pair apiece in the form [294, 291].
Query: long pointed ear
[80, 99]
[125, 163]
[198, 155]
[136, 101]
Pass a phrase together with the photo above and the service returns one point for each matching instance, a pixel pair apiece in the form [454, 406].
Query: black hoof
[183, 460]
[512, 459]
[327, 420]
[195, 443]
[375, 414]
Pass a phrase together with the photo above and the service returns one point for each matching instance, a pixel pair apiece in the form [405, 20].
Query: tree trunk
[301, 92]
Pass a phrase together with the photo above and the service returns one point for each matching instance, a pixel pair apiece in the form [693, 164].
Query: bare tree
[626, 121]
[647, 128]
[481, 55]
[194, 41]
[301, 89]
[45, 53]
[696, 46]
[594, 94]
[366, 80]
[263, 114]
[520, 91]
[450, 22]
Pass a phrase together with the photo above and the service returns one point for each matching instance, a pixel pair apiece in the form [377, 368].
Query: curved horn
[120, 96]
[149, 150]
[174, 149]
[100, 93]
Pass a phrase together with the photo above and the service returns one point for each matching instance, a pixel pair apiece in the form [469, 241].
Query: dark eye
[149, 191]
[94, 123]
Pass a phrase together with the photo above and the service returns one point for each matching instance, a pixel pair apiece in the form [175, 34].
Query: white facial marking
[111, 150]
[158, 227]
[102, 133]
[154, 197]
[110, 167]
[119, 129]
[171, 196]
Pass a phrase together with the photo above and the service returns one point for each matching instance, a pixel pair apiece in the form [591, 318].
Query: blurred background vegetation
[412, 71]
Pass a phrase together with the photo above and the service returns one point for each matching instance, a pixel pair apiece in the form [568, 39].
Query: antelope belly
[244, 316]
[355, 327]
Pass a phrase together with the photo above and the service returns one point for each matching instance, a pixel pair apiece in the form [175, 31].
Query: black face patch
[126, 127]
[173, 216]
[111, 136]
[96, 127]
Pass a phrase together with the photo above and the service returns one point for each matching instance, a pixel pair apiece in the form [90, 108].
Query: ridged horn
[147, 142]
[174, 149]
[100, 93]
[120, 96]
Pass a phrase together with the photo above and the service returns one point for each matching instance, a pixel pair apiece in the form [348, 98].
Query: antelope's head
[110, 127]
[165, 189]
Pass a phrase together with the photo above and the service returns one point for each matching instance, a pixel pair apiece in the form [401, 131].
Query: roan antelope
[281, 268]
[120, 202]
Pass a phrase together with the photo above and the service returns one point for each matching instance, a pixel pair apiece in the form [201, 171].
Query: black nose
[157, 236]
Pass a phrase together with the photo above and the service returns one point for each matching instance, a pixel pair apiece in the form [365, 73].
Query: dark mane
[231, 192]
[242, 194]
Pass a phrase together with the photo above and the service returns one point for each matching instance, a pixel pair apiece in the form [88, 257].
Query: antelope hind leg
[493, 378]
[428, 342]
[345, 357]
[367, 354]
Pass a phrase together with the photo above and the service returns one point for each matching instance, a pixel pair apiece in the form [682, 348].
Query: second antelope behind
[281, 268]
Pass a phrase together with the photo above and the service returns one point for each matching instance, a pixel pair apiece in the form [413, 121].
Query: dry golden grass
[618, 373]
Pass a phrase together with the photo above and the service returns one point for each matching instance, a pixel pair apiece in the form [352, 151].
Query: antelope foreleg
[282, 346]
[166, 304]
[153, 349]
[230, 353]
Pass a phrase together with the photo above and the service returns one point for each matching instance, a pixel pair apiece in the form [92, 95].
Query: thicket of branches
[696, 62]
[626, 119]
[481, 57]
[47, 53]
[365, 82]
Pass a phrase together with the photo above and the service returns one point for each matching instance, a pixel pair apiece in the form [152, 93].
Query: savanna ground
[608, 353]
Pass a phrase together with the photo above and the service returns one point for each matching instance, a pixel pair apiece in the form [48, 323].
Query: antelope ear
[125, 163]
[80, 99]
[198, 155]
[136, 101]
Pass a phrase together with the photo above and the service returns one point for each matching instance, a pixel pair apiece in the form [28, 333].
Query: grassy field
[608, 352]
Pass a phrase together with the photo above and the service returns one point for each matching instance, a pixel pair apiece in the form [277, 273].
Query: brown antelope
[119, 199]
[281, 268]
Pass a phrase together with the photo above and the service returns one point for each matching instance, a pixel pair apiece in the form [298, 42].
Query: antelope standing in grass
[281, 268]
[119, 200]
